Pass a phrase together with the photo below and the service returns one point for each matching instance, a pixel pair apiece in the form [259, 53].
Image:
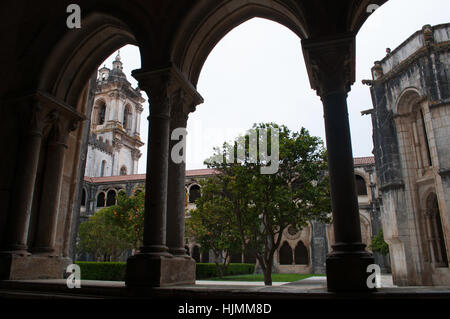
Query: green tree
[379, 245]
[128, 214]
[102, 238]
[262, 206]
[211, 224]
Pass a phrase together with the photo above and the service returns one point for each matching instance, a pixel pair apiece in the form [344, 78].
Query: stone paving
[313, 287]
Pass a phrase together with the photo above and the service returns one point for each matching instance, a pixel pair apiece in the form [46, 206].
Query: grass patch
[260, 277]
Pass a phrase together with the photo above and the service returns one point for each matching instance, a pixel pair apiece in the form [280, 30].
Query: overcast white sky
[257, 73]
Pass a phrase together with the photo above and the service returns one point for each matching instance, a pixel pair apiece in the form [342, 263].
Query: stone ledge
[20, 267]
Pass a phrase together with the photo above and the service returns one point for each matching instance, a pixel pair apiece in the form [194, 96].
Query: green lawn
[260, 277]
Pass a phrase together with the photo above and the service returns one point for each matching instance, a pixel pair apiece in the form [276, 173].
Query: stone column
[52, 180]
[19, 215]
[182, 106]
[154, 266]
[331, 69]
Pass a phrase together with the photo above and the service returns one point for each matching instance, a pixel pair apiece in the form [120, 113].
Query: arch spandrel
[78, 55]
[209, 21]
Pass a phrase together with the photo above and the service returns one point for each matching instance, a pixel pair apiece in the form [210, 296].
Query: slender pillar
[157, 166]
[154, 266]
[19, 216]
[53, 172]
[177, 174]
[331, 69]
[182, 106]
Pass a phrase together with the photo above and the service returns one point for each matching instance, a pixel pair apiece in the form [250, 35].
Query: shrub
[109, 271]
[379, 245]
[115, 271]
[209, 270]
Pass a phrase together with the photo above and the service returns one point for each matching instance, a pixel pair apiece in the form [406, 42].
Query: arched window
[126, 117]
[361, 188]
[194, 193]
[102, 168]
[83, 197]
[101, 200]
[101, 113]
[111, 198]
[123, 170]
[422, 138]
[435, 233]
[301, 254]
[196, 253]
[286, 254]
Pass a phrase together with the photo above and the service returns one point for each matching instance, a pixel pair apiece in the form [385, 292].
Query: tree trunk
[268, 275]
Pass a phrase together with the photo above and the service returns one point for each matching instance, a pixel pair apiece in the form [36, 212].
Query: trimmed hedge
[115, 271]
[209, 270]
[109, 271]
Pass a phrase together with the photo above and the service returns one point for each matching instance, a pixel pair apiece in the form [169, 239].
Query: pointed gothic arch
[286, 254]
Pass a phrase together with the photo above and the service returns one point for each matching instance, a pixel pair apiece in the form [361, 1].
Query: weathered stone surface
[18, 267]
[411, 119]
[159, 271]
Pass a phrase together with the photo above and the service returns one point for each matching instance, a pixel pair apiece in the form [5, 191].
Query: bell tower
[114, 141]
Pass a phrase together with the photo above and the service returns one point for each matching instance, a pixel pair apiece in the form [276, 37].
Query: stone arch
[195, 40]
[101, 199]
[99, 112]
[78, 54]
[412, 131]
[127, 114]
[361, 185]
[111, 196]
[406, 101]
[435, 231]
[285, 254]
[301, 254]
[83, 197]
[194, 192]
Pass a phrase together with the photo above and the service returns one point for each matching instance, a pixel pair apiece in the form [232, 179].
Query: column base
[150, 270]
[15, 266]
[347, 271]
[179, 252]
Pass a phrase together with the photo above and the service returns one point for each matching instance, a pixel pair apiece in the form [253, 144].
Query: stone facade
[411, 120]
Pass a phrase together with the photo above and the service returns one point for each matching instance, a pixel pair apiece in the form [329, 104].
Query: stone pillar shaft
[176, 192]
[154, 266]
[52, 180]
[19, 217]
[344, 200]
[157, 166]
[330, 63]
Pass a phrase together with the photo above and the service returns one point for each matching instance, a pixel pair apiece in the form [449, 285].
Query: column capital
[135, 154]
[163, 85]
[330, 63]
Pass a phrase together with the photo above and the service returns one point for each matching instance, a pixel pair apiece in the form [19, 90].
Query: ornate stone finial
[117, 63]
[388, 51]
[428, 34]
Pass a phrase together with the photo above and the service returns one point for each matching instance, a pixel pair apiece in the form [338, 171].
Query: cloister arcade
[45, 104]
